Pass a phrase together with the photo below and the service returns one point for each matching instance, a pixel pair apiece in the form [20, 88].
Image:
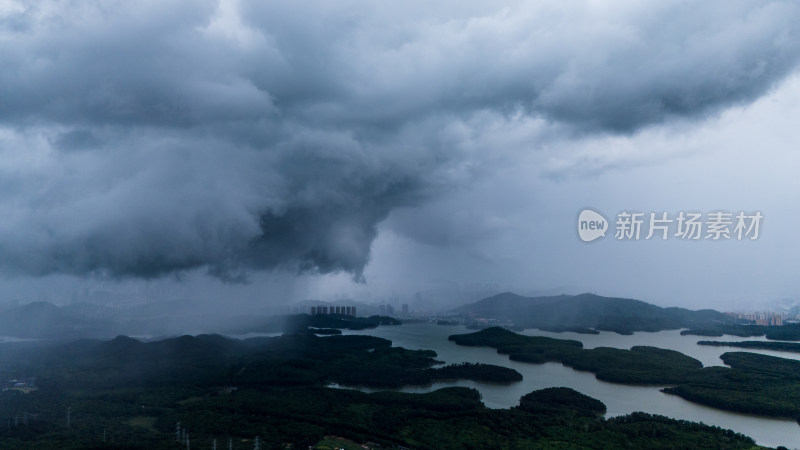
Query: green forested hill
[193, 391]
[588, 311]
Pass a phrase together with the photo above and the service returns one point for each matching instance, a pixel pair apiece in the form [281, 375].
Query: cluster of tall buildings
[761, 318]
[384, 310]
[342, 310]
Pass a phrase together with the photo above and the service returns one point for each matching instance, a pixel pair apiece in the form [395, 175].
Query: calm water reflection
[619, 399]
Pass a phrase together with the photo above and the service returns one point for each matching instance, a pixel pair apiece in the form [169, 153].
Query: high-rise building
[343, 310]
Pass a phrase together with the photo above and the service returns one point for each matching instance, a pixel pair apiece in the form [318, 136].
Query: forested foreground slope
[190, 392]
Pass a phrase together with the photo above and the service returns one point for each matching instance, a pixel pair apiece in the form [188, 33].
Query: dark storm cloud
[146, 138]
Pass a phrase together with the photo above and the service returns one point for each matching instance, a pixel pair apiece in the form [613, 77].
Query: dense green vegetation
[755, 384]
[640, 365]
[124, 393]
[586, 312]
[579, 330]
[289, 360]
[343, 322]
[451, 418]
[297, 323]
[730, 329]
[324, 331]
[778, 346]
[562, 400]
[447, 322]
[788, 332]
[506, 341]
[477, 372]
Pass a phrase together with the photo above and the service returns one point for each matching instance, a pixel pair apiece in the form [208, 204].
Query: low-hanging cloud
[147, 138]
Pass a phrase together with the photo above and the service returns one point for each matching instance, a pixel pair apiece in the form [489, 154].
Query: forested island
[200, 390]
[788, 332]
[761, 345]
[754, 384]
[640, 365]
[298, 323]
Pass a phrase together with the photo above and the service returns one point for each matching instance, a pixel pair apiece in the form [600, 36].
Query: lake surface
[619, 398]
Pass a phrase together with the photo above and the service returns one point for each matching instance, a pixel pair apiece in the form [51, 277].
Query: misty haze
[233, 224]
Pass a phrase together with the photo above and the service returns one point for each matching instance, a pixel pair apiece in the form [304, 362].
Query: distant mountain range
[42, 320]
[581, 313]
[588, 312]
[39, 320]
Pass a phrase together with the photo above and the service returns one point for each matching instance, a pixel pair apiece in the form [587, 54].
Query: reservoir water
[619, 398]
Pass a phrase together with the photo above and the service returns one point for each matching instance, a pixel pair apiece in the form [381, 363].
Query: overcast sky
[287, 150]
